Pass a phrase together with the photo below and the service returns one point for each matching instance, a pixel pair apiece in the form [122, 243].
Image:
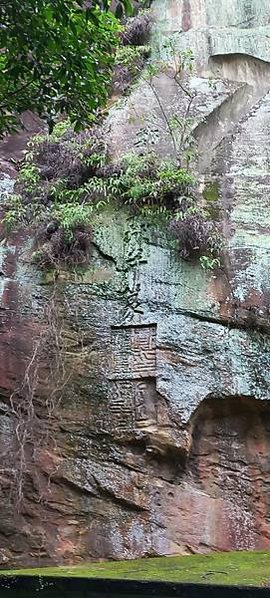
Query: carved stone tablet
[133, 352]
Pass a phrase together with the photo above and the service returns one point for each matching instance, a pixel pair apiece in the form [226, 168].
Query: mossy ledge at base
[236, 569]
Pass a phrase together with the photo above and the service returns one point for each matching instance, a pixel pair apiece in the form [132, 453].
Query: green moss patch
[211, 191]
[230, 568]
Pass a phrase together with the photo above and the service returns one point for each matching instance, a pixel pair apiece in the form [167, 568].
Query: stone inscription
[133, 352]
[132, 401]
[121, 406]
[133, 301]
[143, 341]
[140, 401]
[121, 353]
[132, 404]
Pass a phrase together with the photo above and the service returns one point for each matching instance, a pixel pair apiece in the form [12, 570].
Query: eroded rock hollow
[160, 444]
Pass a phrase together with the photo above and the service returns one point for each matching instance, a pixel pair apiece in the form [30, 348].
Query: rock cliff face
[160, 444]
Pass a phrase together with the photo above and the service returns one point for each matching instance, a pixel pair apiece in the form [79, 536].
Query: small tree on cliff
[55, 57]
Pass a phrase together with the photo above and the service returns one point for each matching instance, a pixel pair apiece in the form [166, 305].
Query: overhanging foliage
[55, 57]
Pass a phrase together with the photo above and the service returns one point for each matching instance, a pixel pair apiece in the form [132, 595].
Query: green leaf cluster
[56, 57]
[147, 180]
[139, 181]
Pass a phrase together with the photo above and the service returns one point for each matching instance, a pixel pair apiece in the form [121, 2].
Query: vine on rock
[34, 405]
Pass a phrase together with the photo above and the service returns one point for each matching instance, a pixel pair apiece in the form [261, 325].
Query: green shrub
[15, 212]
[67, 178]
[197, 235]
